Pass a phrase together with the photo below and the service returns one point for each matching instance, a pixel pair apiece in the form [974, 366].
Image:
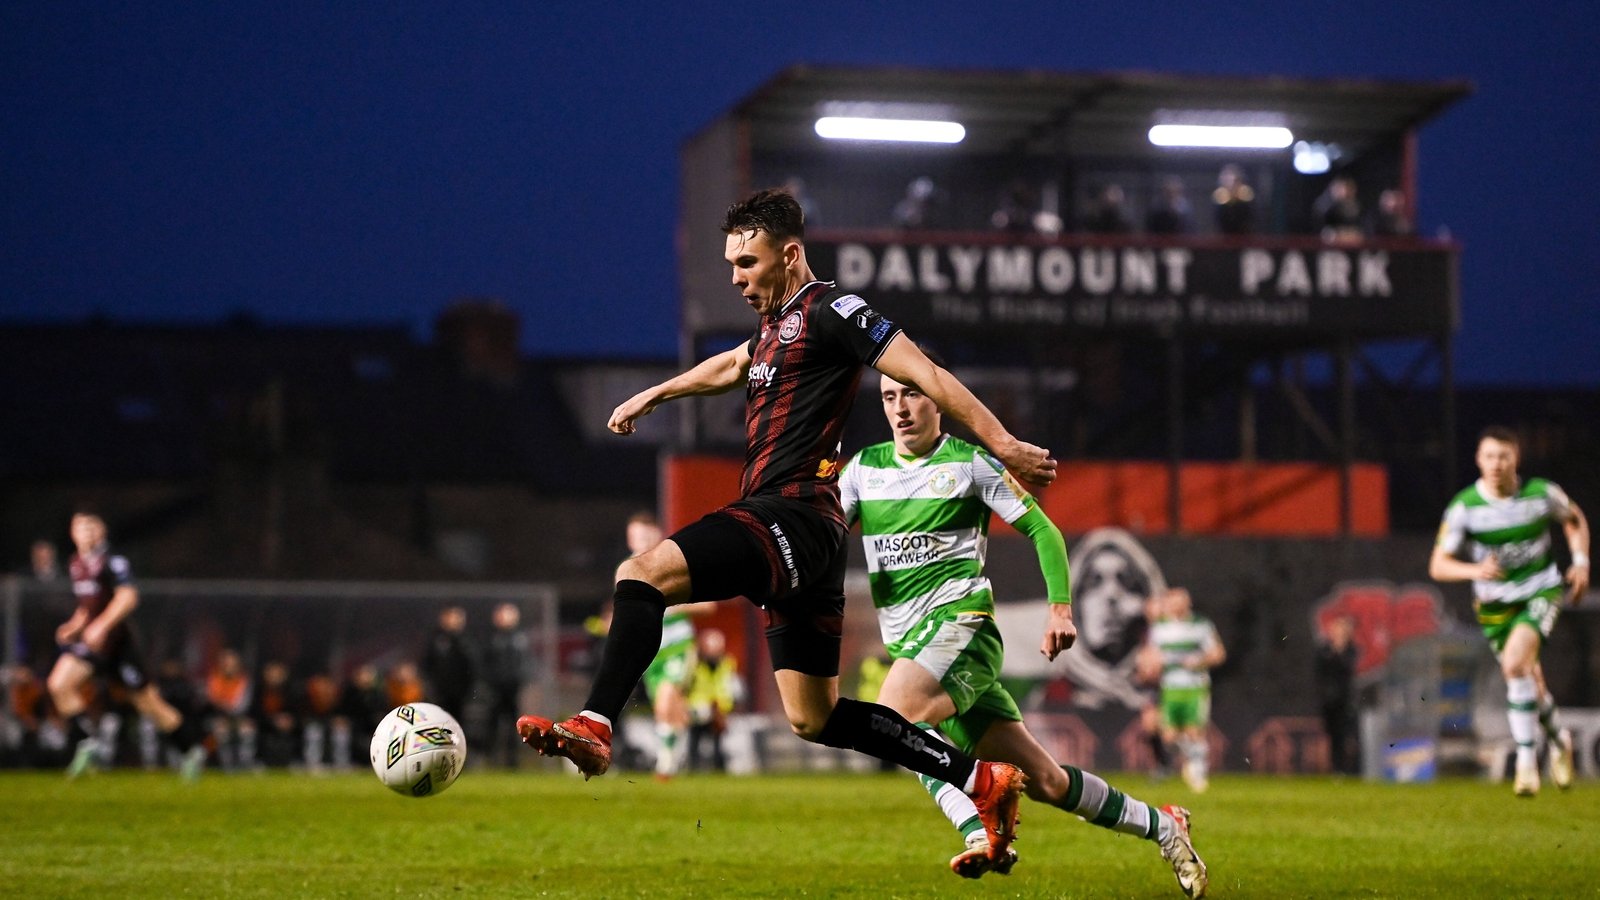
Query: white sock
[1101, 804]
[953, 802]
[596, 718]
[1522, 712]
[667, 750]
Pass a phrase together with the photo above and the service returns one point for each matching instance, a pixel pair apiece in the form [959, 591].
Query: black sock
[80, 727]
[184, 736]
[880, 731]
[632, 643]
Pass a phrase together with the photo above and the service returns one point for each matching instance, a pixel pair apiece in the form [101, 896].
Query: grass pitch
[128, 834]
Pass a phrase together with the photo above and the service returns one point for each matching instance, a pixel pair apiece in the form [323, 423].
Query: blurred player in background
[924, 501]
[1190, 648]
[99, 640]
[782, 544]
[1501, 524]
[667, 679]
[1147, 677]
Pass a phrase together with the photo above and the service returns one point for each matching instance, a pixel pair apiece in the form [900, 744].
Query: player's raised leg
[65, 684]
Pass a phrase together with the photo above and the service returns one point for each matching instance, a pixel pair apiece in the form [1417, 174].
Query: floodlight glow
[1237, 137]
[922, 131]
[1312, 159]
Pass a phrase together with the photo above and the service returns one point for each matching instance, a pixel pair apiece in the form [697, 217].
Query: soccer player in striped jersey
[1189, 649]
[99, 639]
[1496, 534]
[923, 501]
[782, 543]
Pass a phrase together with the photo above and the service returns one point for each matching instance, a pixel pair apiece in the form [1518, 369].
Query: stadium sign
[1275, 286]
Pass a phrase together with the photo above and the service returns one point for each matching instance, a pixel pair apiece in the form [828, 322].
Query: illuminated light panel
[1238, 137]
[920, 131]
[1312, 159]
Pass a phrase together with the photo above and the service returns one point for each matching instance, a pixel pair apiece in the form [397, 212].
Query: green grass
[818, 835]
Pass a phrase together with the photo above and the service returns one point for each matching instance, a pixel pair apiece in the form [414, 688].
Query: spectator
[362, 703]
[229, 693]
[1171, 212]
[27, 708]
[404, 685]
[321, 707]
[276, 713]
[1234, 201]
[450, 663]
[43, 562]
[922, 207]
[1335, 671]
[1110, 212]
[796, 186]
[1338, 211]
[505, 670]
[1391, 219]
[713, 693]
[1016, 212]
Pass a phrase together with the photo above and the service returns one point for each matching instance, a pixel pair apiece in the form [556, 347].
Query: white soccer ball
[418, 750]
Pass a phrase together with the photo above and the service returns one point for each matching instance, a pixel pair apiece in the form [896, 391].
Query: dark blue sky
[302, 162]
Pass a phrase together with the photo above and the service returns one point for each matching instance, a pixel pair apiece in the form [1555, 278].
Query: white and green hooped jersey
[1178, 639]
[925, 526]
[677, 633]
[1515, 529]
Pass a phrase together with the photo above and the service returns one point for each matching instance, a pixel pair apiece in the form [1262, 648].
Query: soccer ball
[418, 750]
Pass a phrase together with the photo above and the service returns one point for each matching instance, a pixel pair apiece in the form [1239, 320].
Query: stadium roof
[1089, 114]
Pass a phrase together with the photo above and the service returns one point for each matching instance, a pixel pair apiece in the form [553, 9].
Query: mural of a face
[1112, 589]
[1113, 576]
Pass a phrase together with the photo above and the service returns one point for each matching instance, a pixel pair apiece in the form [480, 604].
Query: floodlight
[1237, 137]
[922, 131]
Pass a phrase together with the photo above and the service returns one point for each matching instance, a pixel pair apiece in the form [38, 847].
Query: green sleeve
[1052, 550]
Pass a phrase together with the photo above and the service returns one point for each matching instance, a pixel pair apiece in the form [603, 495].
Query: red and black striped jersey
[805, 365]
[96, 577]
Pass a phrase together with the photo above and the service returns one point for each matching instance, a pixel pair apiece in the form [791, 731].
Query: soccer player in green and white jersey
[1189, 649]
[1501, 524]
[924, 501]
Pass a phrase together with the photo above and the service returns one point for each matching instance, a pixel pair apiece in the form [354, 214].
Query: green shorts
[674, 665]
[964, 652]
[1185, 707]
[1538, 612]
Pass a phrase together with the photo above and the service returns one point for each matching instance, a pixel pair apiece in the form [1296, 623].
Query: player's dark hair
[1499, 433]
[87, 509]
[774, 211]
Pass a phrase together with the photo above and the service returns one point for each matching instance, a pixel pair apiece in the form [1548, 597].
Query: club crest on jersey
[789, 328]
[827, 468]
[941, 482]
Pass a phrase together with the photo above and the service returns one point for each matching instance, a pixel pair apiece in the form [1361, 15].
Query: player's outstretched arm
[1442, 566]
[1577, 531]
[903, 362]
[715, 375]
[1060, 632]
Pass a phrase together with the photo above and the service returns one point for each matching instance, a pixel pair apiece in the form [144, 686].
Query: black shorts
[120, 659]
[787, 558]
